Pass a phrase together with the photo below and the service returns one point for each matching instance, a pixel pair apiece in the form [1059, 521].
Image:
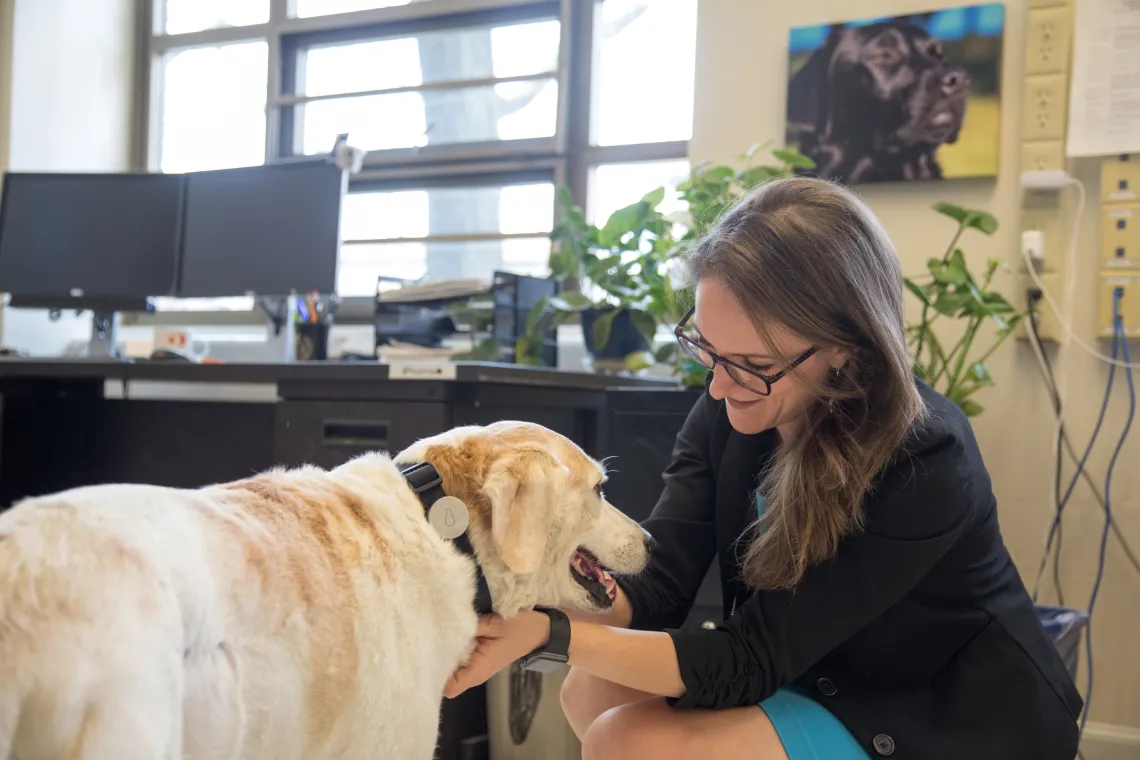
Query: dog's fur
[876, 102]
[297, 614]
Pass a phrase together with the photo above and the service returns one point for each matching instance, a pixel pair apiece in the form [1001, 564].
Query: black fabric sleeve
[919, 508]
[682, 524]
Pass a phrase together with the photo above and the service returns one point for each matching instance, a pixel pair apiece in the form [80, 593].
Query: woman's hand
[498, 643]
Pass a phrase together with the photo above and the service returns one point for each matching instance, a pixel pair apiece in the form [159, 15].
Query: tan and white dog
[297, 614]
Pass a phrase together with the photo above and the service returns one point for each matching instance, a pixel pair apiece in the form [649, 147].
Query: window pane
[508, 111]
[514, 209]
[361, 264]
[447, 56]
[635, 37]
[614, 186]
[213, 108]
[307, 8]
[182, 16]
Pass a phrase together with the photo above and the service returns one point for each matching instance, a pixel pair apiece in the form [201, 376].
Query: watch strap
[559, 642]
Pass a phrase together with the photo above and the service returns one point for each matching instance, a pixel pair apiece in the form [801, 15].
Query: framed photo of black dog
[901, 98]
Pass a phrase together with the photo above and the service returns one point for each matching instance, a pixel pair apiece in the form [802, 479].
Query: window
[309, 8]
[182, 16]
[614, 186]
[444, 233]
[471, 111]
[213, 107]
[468, 85]
[644, 72]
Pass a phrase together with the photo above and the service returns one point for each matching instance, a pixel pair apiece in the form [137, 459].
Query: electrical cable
[1047, 376]
[1120, 338]
[1057, 515]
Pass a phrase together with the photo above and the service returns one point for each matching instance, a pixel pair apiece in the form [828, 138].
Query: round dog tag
[449, 517]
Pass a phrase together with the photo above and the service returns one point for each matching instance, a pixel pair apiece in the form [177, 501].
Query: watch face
[544, 662]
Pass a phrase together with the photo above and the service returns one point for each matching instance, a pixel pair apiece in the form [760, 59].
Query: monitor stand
[281, 338]
[102, 345]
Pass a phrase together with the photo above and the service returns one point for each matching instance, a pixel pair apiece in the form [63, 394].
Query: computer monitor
[266, 230]
[85, 239]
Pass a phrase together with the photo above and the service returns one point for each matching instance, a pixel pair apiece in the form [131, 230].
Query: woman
[871, 606]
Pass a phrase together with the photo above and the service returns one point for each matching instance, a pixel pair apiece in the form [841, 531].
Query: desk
[72, 423]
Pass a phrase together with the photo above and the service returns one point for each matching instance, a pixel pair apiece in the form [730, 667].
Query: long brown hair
[808, 255]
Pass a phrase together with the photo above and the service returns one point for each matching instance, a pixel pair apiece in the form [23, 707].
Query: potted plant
[950, 289]
[625, 268]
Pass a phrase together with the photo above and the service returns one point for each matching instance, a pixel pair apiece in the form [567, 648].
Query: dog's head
[879, 84]
[540, 524]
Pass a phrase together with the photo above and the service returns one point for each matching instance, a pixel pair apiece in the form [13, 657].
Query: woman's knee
[629, 732]
[584, 697]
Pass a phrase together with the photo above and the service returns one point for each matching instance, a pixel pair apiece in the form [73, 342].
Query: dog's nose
[953, 80]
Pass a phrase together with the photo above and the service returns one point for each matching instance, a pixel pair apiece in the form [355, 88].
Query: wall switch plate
[1044, 108]
[1048, 37]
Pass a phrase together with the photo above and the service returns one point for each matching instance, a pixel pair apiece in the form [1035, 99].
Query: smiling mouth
[589, 573]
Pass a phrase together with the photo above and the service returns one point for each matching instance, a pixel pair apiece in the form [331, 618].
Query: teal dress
[806, 728]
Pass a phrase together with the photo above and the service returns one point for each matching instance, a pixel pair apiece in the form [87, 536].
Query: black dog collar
[427, 484]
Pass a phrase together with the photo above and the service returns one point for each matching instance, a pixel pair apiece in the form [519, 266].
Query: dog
[299, 613]
[876, 102]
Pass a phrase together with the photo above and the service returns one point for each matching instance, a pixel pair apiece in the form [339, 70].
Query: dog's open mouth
[588, 572]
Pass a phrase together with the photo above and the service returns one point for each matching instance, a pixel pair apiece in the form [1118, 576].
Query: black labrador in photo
[875, 102]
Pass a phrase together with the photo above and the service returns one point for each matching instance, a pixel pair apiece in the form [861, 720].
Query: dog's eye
[936, 50]
[599, 492]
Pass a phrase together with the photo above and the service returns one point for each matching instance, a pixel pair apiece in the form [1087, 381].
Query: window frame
[567, 156]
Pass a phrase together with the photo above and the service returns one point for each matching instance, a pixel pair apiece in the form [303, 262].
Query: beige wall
[741, 79]
[70, 108]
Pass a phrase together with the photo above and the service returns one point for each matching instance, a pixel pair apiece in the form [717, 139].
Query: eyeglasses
[757, 382]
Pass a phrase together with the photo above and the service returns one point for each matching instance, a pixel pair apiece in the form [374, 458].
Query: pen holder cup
[312, 341]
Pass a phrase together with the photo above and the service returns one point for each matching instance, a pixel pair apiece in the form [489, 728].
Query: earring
[835, 376]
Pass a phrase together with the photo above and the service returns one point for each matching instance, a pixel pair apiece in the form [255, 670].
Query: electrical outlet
[1042, 156]
[1048, 36]
[1120, 179]
[1129, 285]
[1044, 108]
[1048, 326]
[1047, 220]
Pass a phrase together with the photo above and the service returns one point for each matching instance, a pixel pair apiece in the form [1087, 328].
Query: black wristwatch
[557, 650]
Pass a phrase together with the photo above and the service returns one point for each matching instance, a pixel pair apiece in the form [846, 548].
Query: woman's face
[727, 330]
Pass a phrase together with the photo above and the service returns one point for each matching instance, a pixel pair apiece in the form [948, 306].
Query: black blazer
[918, 635]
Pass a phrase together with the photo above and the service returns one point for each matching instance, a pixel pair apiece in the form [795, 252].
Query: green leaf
[654, 197]
[997, 303]
[970, 407]
[563, 264]
[947, 272]
[956, 266]
[957, 213]
[694, 376]
[980, 374]
[949, 304]
[918, 292]
[646, 324]
[980, 220]
[603, 326]
[666, 353]
[756, 148]
[794, 158]
[639, 360]
[487, 350]
[535, 312]
[572, 301]
[757, 174]
[620, 223]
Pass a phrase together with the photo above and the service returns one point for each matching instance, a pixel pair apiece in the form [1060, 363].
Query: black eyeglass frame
[686, 342]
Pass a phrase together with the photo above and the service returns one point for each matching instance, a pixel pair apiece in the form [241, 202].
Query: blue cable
[1118, 337]
[1088, 449]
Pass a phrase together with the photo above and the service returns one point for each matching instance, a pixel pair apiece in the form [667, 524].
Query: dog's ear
[809, 91]
[523, 485]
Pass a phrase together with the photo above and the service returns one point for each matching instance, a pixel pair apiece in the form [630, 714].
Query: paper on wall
[1104, 101]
